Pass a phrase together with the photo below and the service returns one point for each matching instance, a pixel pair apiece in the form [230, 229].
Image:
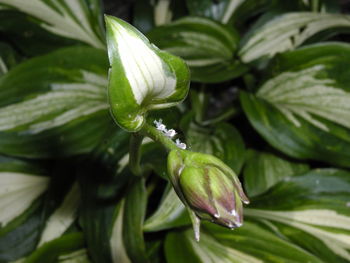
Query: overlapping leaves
[55, 104]
[76, 19]
[287, 32]
[208, 47]
[304, 109]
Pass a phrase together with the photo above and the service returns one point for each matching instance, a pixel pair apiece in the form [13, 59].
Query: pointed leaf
[314, 205]
[287, 32]
[54, 105]
[74, 19]
[304, 110]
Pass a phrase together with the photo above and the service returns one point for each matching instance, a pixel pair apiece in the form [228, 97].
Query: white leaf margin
[74, 24]
[310, 221]
[301, 93]
[286, 32]
[17, 192]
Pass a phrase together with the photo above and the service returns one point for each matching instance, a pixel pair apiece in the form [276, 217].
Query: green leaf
[74, 19]
[54, 105]
[304, 109]
[222, 141]
[286, 32]
[149, 13]
[116, 240]
[249, 244]
[27, 37]
[79, 256]
[208, 47]
[170, 213]
[314, 205]
[18, 191]
[51, 251]
[8, 58]
[22, 204]
[221, 10]
[101, 210]
[263, 170]
[63, 217]
[134, 214]
[141, 77]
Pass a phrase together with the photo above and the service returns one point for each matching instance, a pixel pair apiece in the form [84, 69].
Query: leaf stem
[135, 153]
[158, 136]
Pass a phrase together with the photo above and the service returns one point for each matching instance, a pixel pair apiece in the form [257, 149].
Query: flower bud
[208, 187]
[142, 77]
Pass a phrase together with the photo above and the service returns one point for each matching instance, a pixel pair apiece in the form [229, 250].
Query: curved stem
[135, 153]
[158, 136]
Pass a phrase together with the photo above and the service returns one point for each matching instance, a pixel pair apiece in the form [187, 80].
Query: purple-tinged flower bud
[208, 187]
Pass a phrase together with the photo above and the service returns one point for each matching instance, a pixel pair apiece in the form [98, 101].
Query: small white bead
[180, 144]
[170, 133]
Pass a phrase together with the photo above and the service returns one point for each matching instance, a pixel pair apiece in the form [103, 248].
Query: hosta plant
[174, 131]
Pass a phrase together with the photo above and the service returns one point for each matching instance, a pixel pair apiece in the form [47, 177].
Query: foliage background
[280, 121]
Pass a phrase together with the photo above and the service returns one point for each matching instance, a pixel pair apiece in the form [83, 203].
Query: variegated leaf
[303, 109]
[101, 210]
[263, 170]
[219, 10]
[63, 217]
[286, 32]
[51, 97]
[249, 244]
[208, 47]
[141, 77]
[23, 189]
[78, 256]
[18, 191]
[315, 204]
[304, 94]
[74, 19]
[8, 58]
[170, 213]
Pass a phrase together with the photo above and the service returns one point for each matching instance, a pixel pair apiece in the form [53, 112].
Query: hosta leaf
[250, 244]
[76, 19]
[79, 256]
[134, 214]
[263, 170]
[286, 32]
[304, 110]
[22, 203]
[101, 210]
[57, 249]
[170, 213]
[8, 58]
[208, 47]
[63, 217]
[18, 191]
[223, 141]
[116, 240]
[315, 204]
[27, 37]
[46, 101]
[141, 77]
[149, 13]
[219, 10]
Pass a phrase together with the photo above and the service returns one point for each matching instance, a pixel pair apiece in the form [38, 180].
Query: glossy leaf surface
[208, 47]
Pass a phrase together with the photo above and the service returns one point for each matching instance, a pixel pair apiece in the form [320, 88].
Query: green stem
[135, 153]
[158, 136]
